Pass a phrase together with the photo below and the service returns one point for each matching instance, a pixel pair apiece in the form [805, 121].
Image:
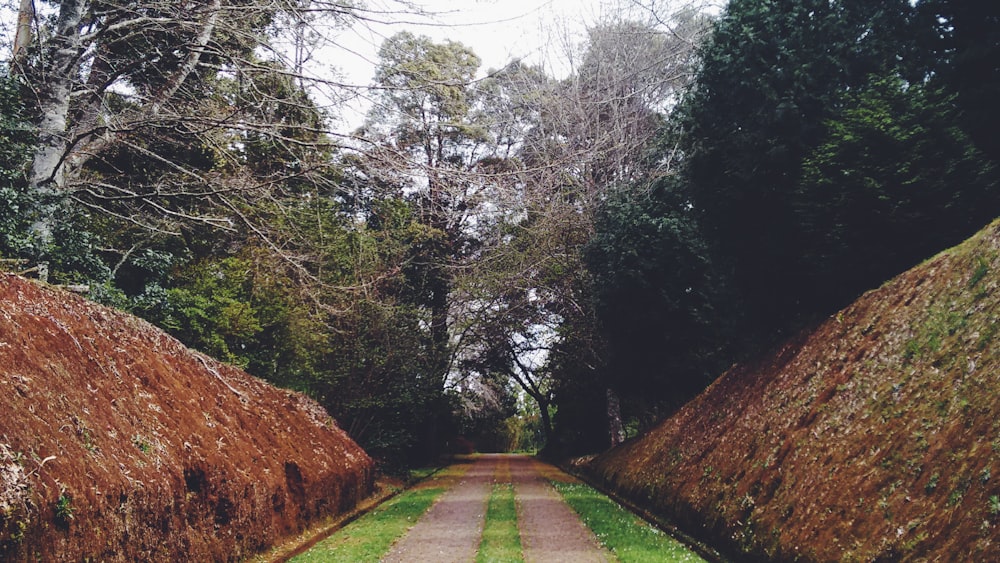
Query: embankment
[874, 437]
[119, 444]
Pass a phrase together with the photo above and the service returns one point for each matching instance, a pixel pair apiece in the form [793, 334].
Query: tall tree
[427, 142]
[596, 135]
[770, 76]
[661, 303]
[115, 79]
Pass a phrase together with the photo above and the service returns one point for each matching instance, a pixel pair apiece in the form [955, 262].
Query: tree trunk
[615, 427]
[25, 15]
[543, 411]
[46, 178]
[439, 323]
[440, 277]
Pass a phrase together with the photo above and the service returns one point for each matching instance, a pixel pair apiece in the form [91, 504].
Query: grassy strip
[501, 541]
[370, 537]
[626, 535]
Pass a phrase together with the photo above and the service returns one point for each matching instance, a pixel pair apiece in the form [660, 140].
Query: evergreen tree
[662, 304]
[776, 80]
[16, 138]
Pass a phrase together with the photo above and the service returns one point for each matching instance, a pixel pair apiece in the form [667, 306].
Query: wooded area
[520, 260]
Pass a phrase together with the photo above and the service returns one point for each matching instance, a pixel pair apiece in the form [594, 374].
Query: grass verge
[501, 541]
[626, 535]
[370, 537]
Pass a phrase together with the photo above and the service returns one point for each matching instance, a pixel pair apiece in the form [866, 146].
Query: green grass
[421, 473]
[369, 538]
[626, 535]
[501, 541]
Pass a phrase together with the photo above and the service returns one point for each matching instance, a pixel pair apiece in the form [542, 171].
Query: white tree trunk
[60, 70]
[56, 160]
[25, 15]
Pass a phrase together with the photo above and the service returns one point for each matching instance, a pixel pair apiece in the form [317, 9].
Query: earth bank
[875, 436]
[119, 444]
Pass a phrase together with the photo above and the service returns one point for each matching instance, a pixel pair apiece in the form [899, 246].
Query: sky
[497, 30]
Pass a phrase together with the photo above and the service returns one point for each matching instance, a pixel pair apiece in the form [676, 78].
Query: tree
[424, 137]
[895, 180]
[661, 303]
[510, 317]
[595, 135]
[119, 85]
[770, 76]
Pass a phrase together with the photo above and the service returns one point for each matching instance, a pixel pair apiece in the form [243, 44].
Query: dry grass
[119, 444]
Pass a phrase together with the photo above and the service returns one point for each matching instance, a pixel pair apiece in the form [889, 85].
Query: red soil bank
[117, 443]
[875, 437]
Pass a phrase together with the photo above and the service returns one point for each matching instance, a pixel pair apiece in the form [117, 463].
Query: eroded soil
[874, 437]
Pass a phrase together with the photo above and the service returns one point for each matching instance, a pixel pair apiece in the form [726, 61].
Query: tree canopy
[497, 256]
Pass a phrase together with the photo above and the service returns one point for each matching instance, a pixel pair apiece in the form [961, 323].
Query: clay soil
[874, 437]
[551, 532]
[119, 444]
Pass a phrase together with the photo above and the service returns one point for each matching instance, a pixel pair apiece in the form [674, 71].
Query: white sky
[496, 30]
[541, 32]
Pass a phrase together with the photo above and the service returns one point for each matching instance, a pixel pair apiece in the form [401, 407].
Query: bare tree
[580, 138]
[177, 86]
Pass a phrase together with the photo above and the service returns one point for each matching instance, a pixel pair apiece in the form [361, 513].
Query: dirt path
[551, 531]
[451, 530]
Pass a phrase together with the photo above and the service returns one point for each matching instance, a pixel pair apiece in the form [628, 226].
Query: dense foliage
[825, 147]
[661, 300]
[15, 144]
[819, 139]
[513, 258]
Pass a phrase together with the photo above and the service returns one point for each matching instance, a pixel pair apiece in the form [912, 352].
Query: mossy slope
[875, 436]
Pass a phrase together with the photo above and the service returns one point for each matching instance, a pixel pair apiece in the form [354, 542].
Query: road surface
[451, 530]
